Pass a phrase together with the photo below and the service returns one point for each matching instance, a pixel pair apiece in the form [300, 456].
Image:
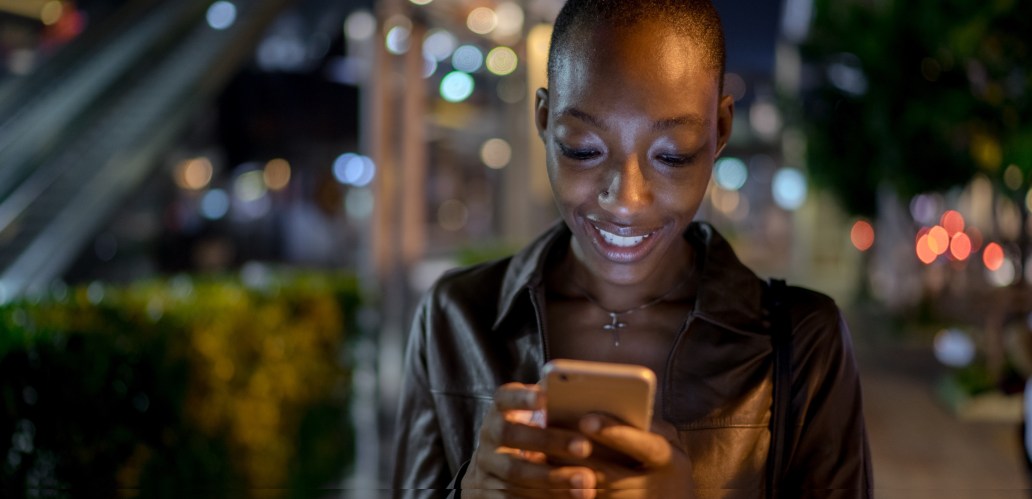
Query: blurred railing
[75, 142]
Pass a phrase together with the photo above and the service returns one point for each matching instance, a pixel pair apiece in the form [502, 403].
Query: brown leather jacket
[481, 327]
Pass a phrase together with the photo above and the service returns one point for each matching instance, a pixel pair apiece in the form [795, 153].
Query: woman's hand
[664, 470]
[513, 456]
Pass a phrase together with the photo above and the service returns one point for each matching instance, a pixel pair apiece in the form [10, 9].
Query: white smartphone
[574, 388]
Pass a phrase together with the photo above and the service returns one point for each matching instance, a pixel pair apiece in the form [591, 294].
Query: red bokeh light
[862, 235]
[924, 251]
[960, 246]
[992, 256]
[953, 222]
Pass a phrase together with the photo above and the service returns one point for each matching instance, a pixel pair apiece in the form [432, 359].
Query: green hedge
[175, 386]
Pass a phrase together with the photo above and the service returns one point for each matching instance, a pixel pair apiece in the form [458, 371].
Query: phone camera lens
[563, 377]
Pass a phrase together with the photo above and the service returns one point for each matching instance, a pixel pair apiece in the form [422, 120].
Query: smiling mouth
[622, 241]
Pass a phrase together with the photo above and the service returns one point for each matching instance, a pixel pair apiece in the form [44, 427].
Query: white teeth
[623, 242]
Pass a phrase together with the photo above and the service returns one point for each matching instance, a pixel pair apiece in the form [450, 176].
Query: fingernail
[590, 424]
[579, 447]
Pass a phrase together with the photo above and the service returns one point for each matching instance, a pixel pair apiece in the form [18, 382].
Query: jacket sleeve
[831, 457]
[420, 466]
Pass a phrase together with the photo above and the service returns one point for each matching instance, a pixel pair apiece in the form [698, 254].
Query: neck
[666, 285]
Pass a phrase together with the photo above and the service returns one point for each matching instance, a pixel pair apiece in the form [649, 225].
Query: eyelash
[671, 160]
[578, 154]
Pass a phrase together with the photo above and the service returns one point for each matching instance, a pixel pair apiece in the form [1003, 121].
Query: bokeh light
[452, 215]
[992, 256]
[194, 174]
[429, 67]
[358, 203]
[397, 40]
[1013, 178]
[439, 44]
[421, 2]
[952, 221]
[938, 240]
[954, 348]
[960, 246]
[765, 119]
[360, 25]
[51, 12]
[482, 20]
[502, 61]
[735, 86]
[354, 169]
[276, 174]
[467, 58]
[510, 21]
[214, 204]
[456, 86]
[924, 251]
[862, 235]
[496, 153]
[789, 188]
[249, 186]
[221, 14]
[730, 173]
[511, 90]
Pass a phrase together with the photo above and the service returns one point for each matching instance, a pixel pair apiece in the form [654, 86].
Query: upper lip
[622, 230]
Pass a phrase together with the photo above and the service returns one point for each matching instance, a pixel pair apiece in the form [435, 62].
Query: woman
[632, 121]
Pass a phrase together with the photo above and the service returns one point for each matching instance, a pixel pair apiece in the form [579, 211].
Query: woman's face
[631, 122]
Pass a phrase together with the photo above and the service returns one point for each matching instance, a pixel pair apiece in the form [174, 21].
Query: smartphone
[575, 388]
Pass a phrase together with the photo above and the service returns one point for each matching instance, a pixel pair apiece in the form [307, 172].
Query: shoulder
[474, 285]
[820, 334]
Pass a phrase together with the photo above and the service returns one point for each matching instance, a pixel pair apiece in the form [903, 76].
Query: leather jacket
[481, 327]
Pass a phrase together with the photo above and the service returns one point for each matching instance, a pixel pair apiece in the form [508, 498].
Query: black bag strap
[782, 423]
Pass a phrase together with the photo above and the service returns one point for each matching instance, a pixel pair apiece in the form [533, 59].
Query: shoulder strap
[781, 420]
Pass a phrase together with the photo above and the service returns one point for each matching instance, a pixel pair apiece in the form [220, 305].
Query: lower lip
[623, 254]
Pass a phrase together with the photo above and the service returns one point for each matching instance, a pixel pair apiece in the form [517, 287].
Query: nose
[628, 191]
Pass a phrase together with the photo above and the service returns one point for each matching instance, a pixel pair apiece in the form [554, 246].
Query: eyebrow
[691, 120]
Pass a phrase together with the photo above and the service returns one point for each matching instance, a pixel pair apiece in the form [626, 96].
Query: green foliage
[947, 95]
[176, 386]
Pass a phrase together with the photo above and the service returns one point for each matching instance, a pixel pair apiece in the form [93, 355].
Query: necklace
[615, 324]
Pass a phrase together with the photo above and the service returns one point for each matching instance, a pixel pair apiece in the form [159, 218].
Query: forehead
[647, 60]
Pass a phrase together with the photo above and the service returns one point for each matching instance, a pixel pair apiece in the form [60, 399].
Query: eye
[578, 154]
[676, 159]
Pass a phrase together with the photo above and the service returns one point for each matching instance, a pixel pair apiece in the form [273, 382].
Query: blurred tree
[918, 95]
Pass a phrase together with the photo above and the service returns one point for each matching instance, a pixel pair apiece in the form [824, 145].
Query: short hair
[697, 19]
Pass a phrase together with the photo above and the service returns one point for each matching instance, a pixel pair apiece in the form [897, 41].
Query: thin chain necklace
[615, 324]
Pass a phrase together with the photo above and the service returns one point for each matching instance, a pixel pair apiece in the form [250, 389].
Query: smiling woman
[632, 121]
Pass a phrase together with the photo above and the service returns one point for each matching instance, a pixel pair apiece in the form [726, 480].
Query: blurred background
[216, 218]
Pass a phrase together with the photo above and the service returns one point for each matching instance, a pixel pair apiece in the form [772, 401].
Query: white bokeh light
[730, 173]
[221, 15]
[456, 86]
[789, 188]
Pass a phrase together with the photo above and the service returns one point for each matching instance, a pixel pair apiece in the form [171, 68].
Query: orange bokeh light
[960, 246]
[938, 240]
[992, 256]
[924, 251]
[862, 235]
[953, 222]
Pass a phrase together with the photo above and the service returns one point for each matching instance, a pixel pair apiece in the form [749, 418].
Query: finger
[494, 487]
[648, 448]
[554, 442]
[519, 473]
[517, 396]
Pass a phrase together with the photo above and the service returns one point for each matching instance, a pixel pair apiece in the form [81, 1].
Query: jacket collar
[729, 294]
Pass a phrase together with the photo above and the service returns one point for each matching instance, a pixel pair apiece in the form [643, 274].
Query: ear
[541, 111]
[725, 116]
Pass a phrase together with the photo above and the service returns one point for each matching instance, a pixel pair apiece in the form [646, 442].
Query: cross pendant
[615, 327]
